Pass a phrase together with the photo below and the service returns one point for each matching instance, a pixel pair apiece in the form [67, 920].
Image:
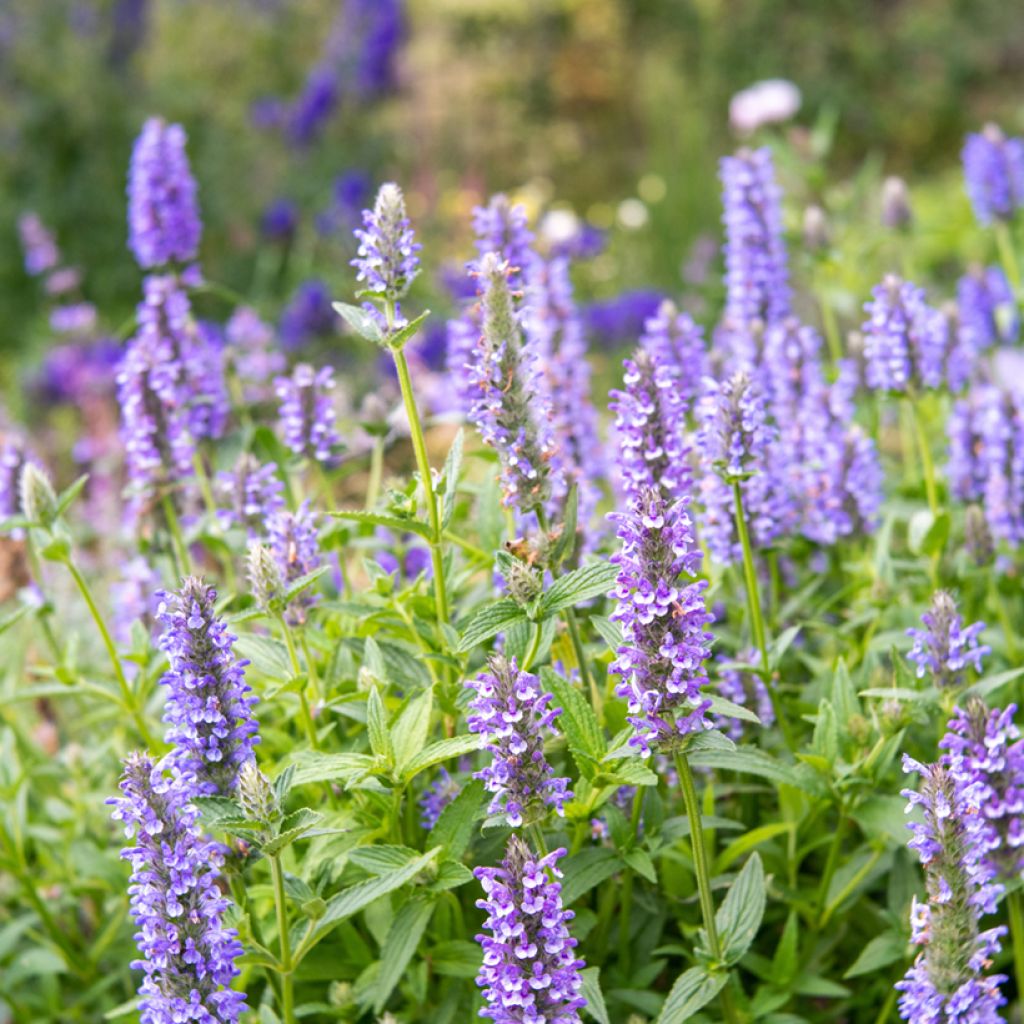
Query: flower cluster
[436, 797]
[307, 412]
[386, 261]
[946, 981]
[249, 344]
[661, 661]
[38, 245]
[985, 756]
[511, 409]
[250, 494]
[209, 704]
[678, 343]
[909, 344]
[188, 955]
[510, 709]
[530, 971]
[946, 647]
[748, 690]
[295, 545]
[994, 174]
[163, 215]
[756, 273]
[988, 313]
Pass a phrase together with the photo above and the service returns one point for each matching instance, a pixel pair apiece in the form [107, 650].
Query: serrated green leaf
[982, 688]
[693, 989]
[739, 916]
[305, 581]
[722, 706]
[588, 581]
[748, 841]
[490, 620]
[450, 875]
[396, 523]
[586, 869]
[409, 733]
[454, 828]
[399, 947]
[750, 761]
[881, 951]
[293, 827]
[381, 858]
[578, 720]
[399, 337]
[441, 750]
[640, 861]
[312, 766]
[610, 632]
[591, 977]
[452, 469]
[377, 727]
[362, 321]
[267, 655]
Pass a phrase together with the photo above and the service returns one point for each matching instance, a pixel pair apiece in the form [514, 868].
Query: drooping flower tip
[512, 711]
[386, 261]
[163, 215]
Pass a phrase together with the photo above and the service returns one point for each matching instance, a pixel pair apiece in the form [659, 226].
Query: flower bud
[256, 795]
[978, 537]
[38, 499]
[264, 576]
[524, 584]
[896, 211]
[817, 234]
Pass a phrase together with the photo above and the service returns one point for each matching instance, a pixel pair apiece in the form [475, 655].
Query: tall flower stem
[703, 874]
[127, 695]
[419, 446]
[376, 472]
[754, 606]
[571, 623]
[179, 549]
[924, 450]
[293, 657]
[287, 968]
[1015, 908]
[1008, 257]
[831, 862]
[828, 322]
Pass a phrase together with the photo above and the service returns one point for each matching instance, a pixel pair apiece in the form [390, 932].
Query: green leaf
[748, 841]
[381, 858]
[305, 581]
[377, 727]
[578, 721]
[593, 580]
[397, 523]
[362, 321]
[452, 469]
[591, 977]
[293, 827]
[67, 496]
[565, 546]
[983, 687]
[450, 875]
[786, 959]
[586, 869]
[927, 533]
[610, 632]
[441, 750]
[739, 916]
[722, 706]
[269, 656]
[409, 733]
[398, 338]
[750, 761]
[693, 990]
[489, 620]
[312, 766]
[355, 898]
[399, 947]
[881, 951]
[640, 861]
[454, 828]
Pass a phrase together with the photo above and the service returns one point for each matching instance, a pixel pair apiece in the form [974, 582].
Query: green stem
[376, 472]
[703, 874]
[43, 616]
[204, 485]
[287, 981]
[627, 881]
[831, 862]
[538, 632]
[108, 642]
[850, 886]
[756, 616]
[1015, 907]
[828, 322]
[538, 838]
[924, 449]
[179, 549]
[1008, 257]
[1009, 633]
[293, 657]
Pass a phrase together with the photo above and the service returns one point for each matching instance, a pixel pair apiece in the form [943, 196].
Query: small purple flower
[249, 345]
[308, 315]
[734, 428]
[386, 261]
[985, 756]
[620, 319]
[662, 613]
[513, 713]
[209, 704]
[530, 972]
[188, 955]
[748, 690]
[436, 797]
[38, 244]
[133, 598]
[988, 312]
[307, 412]
[280, 221]
[163, 214]
[295, 544]
[251, 493]
[946, 982]
[756, 270]
[909, 344]
[677, 342]
[994, 174]
[946, 647]
[73, 318]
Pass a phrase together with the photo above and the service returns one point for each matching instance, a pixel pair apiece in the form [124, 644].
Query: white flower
[769, 102]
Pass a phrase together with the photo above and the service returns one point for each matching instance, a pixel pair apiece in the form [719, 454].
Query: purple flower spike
[945, 648]
[38, 245]
[436, 797]
[510, 709]
[209, 703]
[756, 272]
[908, 344]
[251, 494]
[748, 690]
[985, 756]
[386, 262]
[661, 661]
[530, 973]
[295, 544]
[734, 429]
[988, 313]
[163, 215]
[994, 174]
[188, 956]
[307, 412]
[946, 982]
[677, 342]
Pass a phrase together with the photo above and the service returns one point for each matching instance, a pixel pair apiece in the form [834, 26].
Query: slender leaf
[403, 937]
[693, 990]
[582, 584]
[490, 620]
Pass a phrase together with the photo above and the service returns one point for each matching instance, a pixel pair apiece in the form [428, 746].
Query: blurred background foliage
[617, 109]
